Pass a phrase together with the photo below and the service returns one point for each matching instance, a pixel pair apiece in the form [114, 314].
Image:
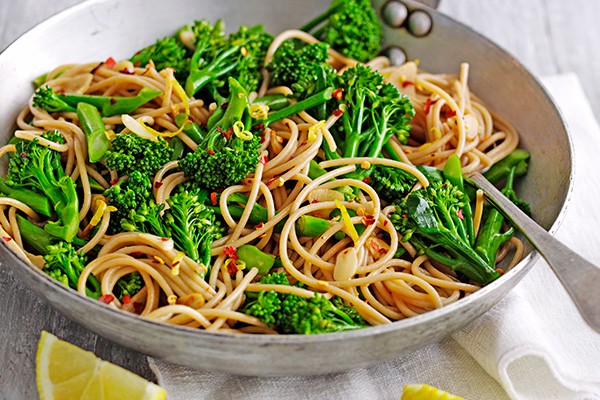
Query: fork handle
[579, 277]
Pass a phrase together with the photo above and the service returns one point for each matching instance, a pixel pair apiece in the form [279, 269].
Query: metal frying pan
[98, 29]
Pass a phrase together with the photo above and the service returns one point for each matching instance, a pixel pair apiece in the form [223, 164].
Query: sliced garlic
[471, 126]
[345, 265]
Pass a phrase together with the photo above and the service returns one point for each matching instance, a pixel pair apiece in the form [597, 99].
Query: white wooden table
[547, 36]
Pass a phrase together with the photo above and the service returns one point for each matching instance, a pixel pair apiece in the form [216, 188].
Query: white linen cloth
[533, 345]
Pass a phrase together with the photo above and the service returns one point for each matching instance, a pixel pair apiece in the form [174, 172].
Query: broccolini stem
[190, 128]
[111, 105]
[474, 267]
[489, 238]
[453, 172]
[34, 236]
[309, 102]
[517, 158]
[39, 203]
[316, 21]
[38, 238]
[238, 103]
[95, 131]
[275, 102]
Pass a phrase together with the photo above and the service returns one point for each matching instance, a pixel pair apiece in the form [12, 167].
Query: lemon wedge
[65, 371]
[426, 392]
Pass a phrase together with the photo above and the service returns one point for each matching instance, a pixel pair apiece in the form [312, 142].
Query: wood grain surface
[547, 36]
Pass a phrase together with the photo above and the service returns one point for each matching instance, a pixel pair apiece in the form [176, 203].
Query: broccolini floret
[165, 52]
[130, 152]
[128, 285]
[437, 220]
[350, 27]
[374, 112]
[240, 56]
[126, 195]
[65, 265]
[38, 168]
[191, 224]
[229, 152]
[290, 313]
[298, 66]
[391, 183]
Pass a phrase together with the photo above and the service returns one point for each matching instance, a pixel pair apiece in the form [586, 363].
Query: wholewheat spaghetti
[381, 286]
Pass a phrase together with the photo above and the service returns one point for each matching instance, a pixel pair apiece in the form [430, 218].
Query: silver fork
[579, 277]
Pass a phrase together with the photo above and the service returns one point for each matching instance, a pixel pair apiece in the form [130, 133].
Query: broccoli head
[229, 152]
[130, 152]
[298, 65]
[128, 285]
[164, 53]
[290, 313]
[65, 265]
[127, 195]
[350, 27]
[391, 183]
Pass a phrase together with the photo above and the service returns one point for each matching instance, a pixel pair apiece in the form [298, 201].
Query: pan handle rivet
[394, 13]
[419, 23]
[396, 55]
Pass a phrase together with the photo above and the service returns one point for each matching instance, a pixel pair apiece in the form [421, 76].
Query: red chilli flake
[23, 154]
[136, 254]
[375, 246]
[106, 298]
[337, 94]
[258, 127]
[385, 222]
[368, 220]
[227, 134]
[157, 184]
[212, 153]
[314, 201]
[126, 299]
[264, 159]
[113, 182]
[337, 112]
[232, 268]
[213, 198]
[407, 83]
[112, 100]
[127, 71]
[231, 252]
[260, 225]
[367, 180]
[450, 113]
[459, 214]
[137, 64]
[6, 238]
[110, 62]
[428, 104]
